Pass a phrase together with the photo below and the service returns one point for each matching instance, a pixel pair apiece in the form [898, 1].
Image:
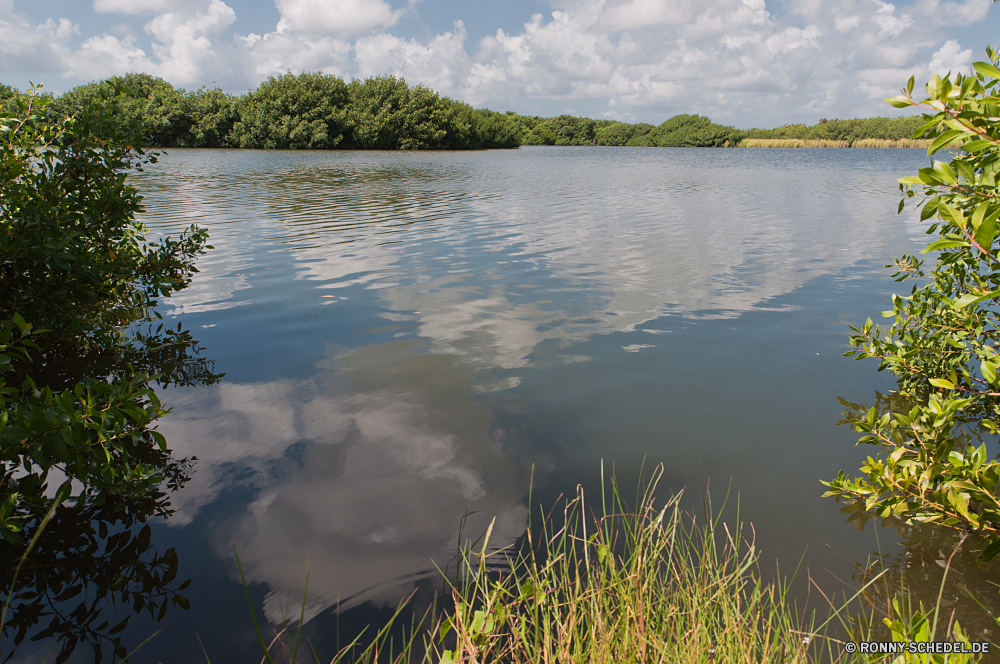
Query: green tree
[150, 101]
[171, 117]
[76, 392]
[386, 114]
[620, 133]
[690, 131]
[298, 112]
[942, 344]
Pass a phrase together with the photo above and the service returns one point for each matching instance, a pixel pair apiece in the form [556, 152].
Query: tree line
[307, 111]
[321, 111]
[682, 131]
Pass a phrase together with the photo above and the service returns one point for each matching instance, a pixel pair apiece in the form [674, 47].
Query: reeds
[791, 143]
[824, 143]
[891, 143]
[625, 584]
[649, 584]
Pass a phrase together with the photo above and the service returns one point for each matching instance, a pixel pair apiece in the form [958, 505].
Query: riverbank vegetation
[308, 111]
[77, 374]
[603, 580]
[697, 131]
[319, 111]
[931, 462]
[640, 582]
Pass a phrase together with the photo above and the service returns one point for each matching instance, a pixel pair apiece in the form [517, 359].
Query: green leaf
[973, 298]
[987, 229]
[986, 69]
[978, 214]
[942, 382]
[899, 101]
[943, 140]
[945, 172]
[945, 244]
[976, 146]
[991, 550]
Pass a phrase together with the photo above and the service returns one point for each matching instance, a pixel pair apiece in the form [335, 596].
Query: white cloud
[39, 48]
[950, 58]
[183, 43]
[955, 13]
[107, 55]
[734, 60]
[275, 53]
[132, 6]
[341, 17]
[439, 64]
[182, 51]
[369, 420]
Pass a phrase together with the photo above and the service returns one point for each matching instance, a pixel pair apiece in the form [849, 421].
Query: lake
[408, 338]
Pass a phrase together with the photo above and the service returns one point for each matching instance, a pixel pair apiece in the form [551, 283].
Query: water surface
[405, 336]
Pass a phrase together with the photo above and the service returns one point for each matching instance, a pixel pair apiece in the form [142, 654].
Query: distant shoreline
[902, 143]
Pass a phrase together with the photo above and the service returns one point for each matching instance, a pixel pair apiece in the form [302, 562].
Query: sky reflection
[400, 303]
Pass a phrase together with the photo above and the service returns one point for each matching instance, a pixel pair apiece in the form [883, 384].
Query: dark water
[405, 336]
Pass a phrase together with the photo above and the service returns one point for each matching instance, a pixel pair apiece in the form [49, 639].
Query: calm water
[404, 336]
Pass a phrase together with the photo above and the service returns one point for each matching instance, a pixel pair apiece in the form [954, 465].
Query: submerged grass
[649, 583]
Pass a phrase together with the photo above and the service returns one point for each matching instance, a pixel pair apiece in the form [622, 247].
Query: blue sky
[741, 62]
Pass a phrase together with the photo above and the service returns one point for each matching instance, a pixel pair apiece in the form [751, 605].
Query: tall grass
[825, 143]
[650, 583]
[892, 143]
[792, 143]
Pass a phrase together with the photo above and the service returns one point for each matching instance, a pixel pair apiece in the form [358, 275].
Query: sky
[741, 62]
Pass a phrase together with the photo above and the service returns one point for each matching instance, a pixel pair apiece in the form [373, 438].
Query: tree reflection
[94, 566]
[930, 561]
[917, 569]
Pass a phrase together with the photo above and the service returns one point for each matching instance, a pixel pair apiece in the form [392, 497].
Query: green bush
[621, 133]
[304, 111]
[171, 117]
[931, 463]
[76, 397]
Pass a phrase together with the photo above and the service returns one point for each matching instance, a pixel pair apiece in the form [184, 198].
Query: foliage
[386, 114]
[678, 131]
[631, 583]
[563, 130]
[308, 111]
[642, 583]
[844, 130]
[691, 131]
[942, 343]
[170, 117]
[321, 111]
[87, 556]
[76, 276]
[621, 133]
[72, 257]
[304, 111]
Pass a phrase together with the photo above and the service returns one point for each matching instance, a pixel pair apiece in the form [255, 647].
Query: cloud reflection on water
[370, 462]
[369, 468]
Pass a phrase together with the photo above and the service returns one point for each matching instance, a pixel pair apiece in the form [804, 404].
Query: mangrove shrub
[304, 111]
[932, 463]
[77, 405]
